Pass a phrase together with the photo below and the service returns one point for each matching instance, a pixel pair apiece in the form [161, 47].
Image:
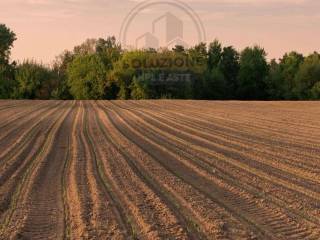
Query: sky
[45, 28]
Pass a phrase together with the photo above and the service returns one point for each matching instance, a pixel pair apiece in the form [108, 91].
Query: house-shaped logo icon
[167, 31]
[147, 40]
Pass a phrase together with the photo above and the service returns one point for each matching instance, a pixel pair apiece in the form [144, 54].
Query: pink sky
[47, 27]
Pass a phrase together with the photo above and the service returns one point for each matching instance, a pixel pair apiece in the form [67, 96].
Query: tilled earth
[159, 170]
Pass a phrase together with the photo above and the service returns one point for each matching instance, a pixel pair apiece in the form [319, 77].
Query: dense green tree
[289, 64]
[215, 85]
[200, 49]
[274, 81]
[214, 54]
[315, 91]
[34, 81]
[7, 82]
[109, 51]
[252, 74]
[140, 87]
[106, 50]
[125, 70]
[308, 77]
[7, 38]
[222, 71]
[60, 67]
[198, 71]
[87, 77]
[229, 67]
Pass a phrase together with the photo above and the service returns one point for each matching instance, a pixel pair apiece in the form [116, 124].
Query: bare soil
[159, 170]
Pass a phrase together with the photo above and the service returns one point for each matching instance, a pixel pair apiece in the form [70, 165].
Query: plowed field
[159, 170]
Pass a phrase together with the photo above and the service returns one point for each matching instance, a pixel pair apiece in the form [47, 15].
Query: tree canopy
[7, 84]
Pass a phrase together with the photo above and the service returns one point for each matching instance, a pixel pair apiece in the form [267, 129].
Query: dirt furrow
[272, 134]
[14, 118]
[13, 170]
[220, 128]
[289, 157]
[45, 216]
[165, 169]
[274, 114]
[148, 205]
[12, 104]
[288, 198]
[8, 103]
[295, 175]
[37, 208]
[19, 153]
[9, 141]
[209, 163]
[91, 210]
[231, 120]
[79, 194]
[203, 213]
[310, 189]
[143, 143]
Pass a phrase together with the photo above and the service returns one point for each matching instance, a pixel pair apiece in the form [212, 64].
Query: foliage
[215, 85]
[275, 82]
[214, 54]
[229, 67]
[7, 82]
[315, 91]
[34, 81]
[87, 77]
[289, 64]
[140, 88]
[7, 37]
[308, 77]
[60, 67]
[252, 74]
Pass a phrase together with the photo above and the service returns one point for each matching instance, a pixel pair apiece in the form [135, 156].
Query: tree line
[102, 69]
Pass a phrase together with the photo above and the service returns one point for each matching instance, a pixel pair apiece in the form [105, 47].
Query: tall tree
[7, 83]
[289, 64]
[214, 82]
[34, 81]
[87, 77]
[198, 70]
[252, 74]
[60, 67]
[229, 66]
[7, 38]
[109, 51]
[308, 77]
[275, 84]
[214, 54]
